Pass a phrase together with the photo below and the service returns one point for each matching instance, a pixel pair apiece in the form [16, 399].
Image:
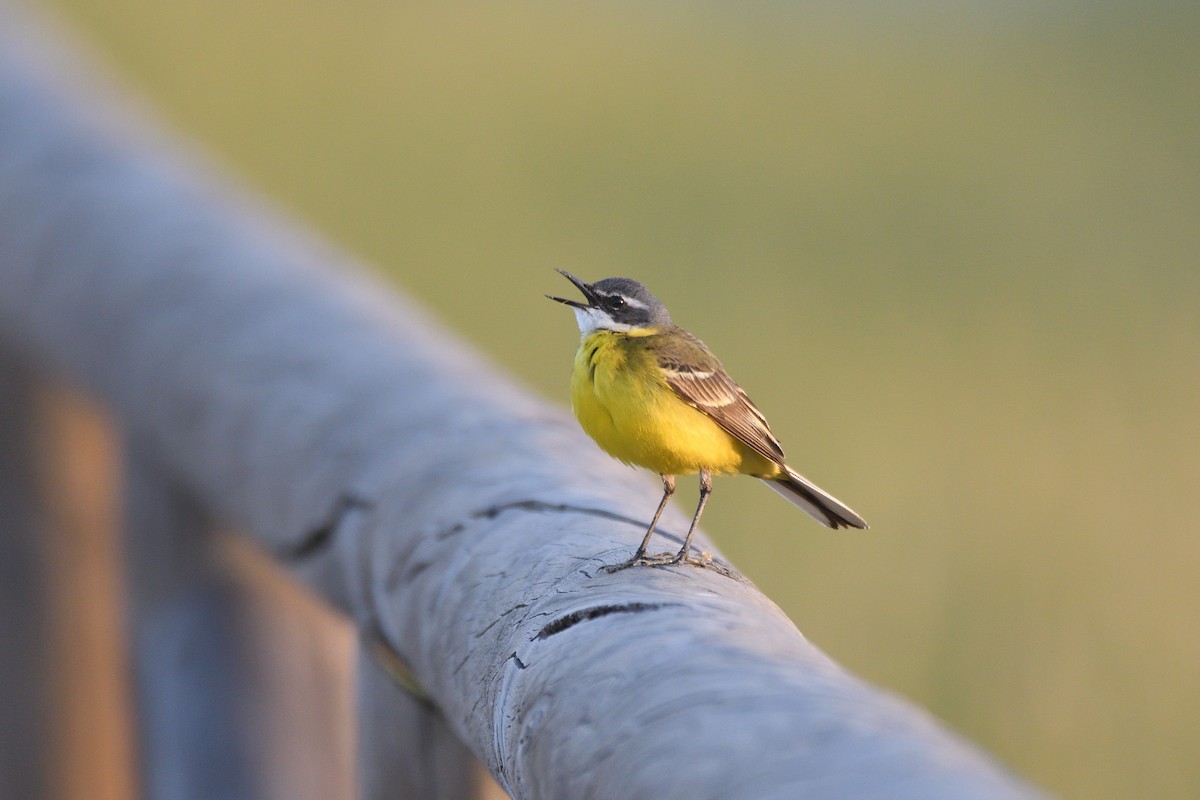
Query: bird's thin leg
[705, 491]
[668, 482]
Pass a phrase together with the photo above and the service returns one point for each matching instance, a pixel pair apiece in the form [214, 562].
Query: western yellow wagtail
[652, 395]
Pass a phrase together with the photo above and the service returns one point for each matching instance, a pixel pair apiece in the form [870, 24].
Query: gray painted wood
[445, 509]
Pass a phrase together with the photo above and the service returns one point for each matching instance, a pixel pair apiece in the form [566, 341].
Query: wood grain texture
[444, 509]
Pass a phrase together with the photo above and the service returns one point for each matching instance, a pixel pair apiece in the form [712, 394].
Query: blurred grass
[951, 250]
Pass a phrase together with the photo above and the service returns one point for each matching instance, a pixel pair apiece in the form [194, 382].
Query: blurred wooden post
[79, 475]
[235, 698]
[190, 673]
[421, 758]
[25, 671]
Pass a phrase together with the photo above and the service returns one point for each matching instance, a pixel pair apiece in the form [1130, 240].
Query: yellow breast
[623, 402]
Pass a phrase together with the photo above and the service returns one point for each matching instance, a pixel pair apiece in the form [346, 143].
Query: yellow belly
[622, 401]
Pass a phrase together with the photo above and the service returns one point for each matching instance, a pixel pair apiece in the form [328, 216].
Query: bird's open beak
[588, 294]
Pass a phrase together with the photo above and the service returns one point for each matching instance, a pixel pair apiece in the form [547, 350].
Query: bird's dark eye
[615, 302]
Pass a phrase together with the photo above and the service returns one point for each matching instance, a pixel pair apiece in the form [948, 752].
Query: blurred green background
[951, 249]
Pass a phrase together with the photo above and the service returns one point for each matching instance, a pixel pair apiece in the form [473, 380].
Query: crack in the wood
[319, 539]
[395, 574]
[575, 617]
[450, 531]
[500, 618]
[491, 512]
[541, 506]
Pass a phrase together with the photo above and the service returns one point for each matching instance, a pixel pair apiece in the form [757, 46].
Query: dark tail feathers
[818, 504]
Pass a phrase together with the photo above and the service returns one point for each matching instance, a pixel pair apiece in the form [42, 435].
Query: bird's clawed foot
[704, 559]
[662, 560]
[640, 559]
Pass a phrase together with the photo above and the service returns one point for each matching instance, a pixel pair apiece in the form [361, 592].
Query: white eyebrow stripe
[632, 302]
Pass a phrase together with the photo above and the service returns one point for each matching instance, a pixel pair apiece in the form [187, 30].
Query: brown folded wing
[695, 374]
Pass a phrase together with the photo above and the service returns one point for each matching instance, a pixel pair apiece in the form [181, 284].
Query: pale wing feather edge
[715, 394]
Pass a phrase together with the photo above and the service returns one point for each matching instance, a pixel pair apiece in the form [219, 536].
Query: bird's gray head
[615, 304]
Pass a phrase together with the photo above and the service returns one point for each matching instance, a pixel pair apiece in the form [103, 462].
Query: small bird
[654, 396]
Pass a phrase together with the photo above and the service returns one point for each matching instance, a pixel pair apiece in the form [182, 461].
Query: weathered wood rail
[261, 380]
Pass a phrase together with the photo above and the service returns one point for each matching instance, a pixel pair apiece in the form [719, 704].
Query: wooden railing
[261, 382]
